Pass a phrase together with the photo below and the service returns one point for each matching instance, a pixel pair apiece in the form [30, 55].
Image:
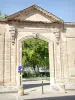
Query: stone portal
[28, 24]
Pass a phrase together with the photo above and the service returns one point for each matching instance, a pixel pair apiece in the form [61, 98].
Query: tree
[35, 53]
[3, 15]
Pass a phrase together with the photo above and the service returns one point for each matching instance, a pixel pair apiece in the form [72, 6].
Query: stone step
[70, 86]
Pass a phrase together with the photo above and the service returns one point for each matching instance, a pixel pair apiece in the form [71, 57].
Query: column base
[70, 86]
[8, 89]
[60, 87]
[20, 90]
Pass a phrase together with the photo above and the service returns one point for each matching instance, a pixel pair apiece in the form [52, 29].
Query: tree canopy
[35, 53]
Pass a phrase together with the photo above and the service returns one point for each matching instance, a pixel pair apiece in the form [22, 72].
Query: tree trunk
[38, 68]
[34, 68]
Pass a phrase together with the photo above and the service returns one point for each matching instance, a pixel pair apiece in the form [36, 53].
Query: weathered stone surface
[1, 58]
[27, 25]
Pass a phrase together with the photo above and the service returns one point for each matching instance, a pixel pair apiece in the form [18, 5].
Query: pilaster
[2, 54]
[51, 62]
[12, 31]
[7, 69]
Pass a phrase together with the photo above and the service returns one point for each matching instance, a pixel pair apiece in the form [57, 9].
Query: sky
[64, 9]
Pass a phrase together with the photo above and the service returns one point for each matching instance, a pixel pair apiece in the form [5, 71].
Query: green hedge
[27, 74]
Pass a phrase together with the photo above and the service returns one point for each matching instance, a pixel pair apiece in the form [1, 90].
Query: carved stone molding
[57, 35]
[36, 35]
[12, 32]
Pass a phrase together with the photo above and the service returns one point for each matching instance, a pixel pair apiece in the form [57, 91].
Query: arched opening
[35, 58]
[35, 62]
[50, 55]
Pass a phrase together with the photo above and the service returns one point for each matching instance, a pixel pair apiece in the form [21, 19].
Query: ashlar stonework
[29, 23]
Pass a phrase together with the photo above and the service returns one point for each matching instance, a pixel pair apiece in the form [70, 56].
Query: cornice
[37, 8]
[28, 21]
[69, 23]
[3, 19]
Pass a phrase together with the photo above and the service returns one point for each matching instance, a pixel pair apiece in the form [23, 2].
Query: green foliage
[5, 15]
[35, 53]
[28, 74]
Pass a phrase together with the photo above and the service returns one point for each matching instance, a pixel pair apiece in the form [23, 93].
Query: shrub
[27, 74]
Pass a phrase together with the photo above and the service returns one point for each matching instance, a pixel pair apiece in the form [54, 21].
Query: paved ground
[33, 91]
[8, 96]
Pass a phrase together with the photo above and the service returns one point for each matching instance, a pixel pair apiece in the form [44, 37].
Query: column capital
[36, 35]
[12, 31]
[57, 35]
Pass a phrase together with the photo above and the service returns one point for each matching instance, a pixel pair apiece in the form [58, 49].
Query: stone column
[65, 60]
[51, 63]
[12, 47]
[7, 68]
[58, 64]
[2, 54]
[58, 58]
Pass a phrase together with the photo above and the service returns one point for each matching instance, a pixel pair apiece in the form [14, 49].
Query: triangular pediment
[34, 13]
[34, 16]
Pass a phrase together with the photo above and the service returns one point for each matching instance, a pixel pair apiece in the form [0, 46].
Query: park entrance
[46, 56]
[30, 23]
[35, 58]
[35, 62]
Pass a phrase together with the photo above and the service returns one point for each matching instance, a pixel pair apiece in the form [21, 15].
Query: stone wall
[70, 43]
[61, 46]
[2, 52]
[8, 69]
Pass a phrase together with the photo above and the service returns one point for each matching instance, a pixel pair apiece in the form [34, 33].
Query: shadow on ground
[55, 98]
[28, 86]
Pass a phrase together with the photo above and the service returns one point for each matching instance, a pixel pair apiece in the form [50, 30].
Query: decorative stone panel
[57, 35]
[12, 32]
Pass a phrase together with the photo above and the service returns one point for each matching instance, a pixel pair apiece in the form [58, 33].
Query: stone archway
[52, 36]
[26, 24]
[51, 55]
